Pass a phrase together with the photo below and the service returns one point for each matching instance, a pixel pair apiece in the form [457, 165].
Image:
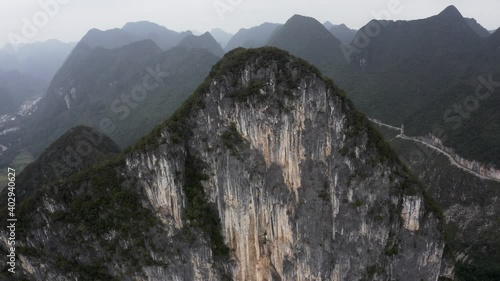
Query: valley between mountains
[296, 151]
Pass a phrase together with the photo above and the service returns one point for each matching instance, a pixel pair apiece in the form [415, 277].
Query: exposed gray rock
[302, 185]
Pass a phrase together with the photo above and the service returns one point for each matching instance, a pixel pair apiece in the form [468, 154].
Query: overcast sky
[71, 19]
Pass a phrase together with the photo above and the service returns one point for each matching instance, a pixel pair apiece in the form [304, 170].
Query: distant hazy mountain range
[411, 73]
[252, 37]
[16, 87]
[341, 31]
[132, 32]
[26, 71]
[439, 75]
[434, 57]
[188, 200]
[40, 60]
[221, 36]
[98, 84]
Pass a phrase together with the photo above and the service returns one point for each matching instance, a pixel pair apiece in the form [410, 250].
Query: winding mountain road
[401, 135]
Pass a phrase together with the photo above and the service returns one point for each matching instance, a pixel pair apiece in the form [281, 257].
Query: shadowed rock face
[266, 173]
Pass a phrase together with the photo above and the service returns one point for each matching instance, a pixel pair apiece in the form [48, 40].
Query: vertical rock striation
[266, 173]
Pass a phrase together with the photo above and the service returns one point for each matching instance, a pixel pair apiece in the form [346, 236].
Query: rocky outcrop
[471, 210]
[266, 173]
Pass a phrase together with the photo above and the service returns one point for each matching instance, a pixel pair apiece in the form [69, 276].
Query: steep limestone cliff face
[266, 173]
[471, 208]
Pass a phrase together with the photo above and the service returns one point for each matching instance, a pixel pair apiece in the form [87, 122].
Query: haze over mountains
[431, 56]
[97, 80]
[253, 37]
[341, 31]
[132, 32]
[227, 149]
[307, 38]
[221, 36]
[16, 88]
[26, 71]
[204, 41]
[207, 144]
[41, 59]
[437, 70]
[98, 86]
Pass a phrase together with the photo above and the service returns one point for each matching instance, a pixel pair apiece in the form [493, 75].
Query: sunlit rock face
[301, 190]
[292, 206]
[411, 213]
